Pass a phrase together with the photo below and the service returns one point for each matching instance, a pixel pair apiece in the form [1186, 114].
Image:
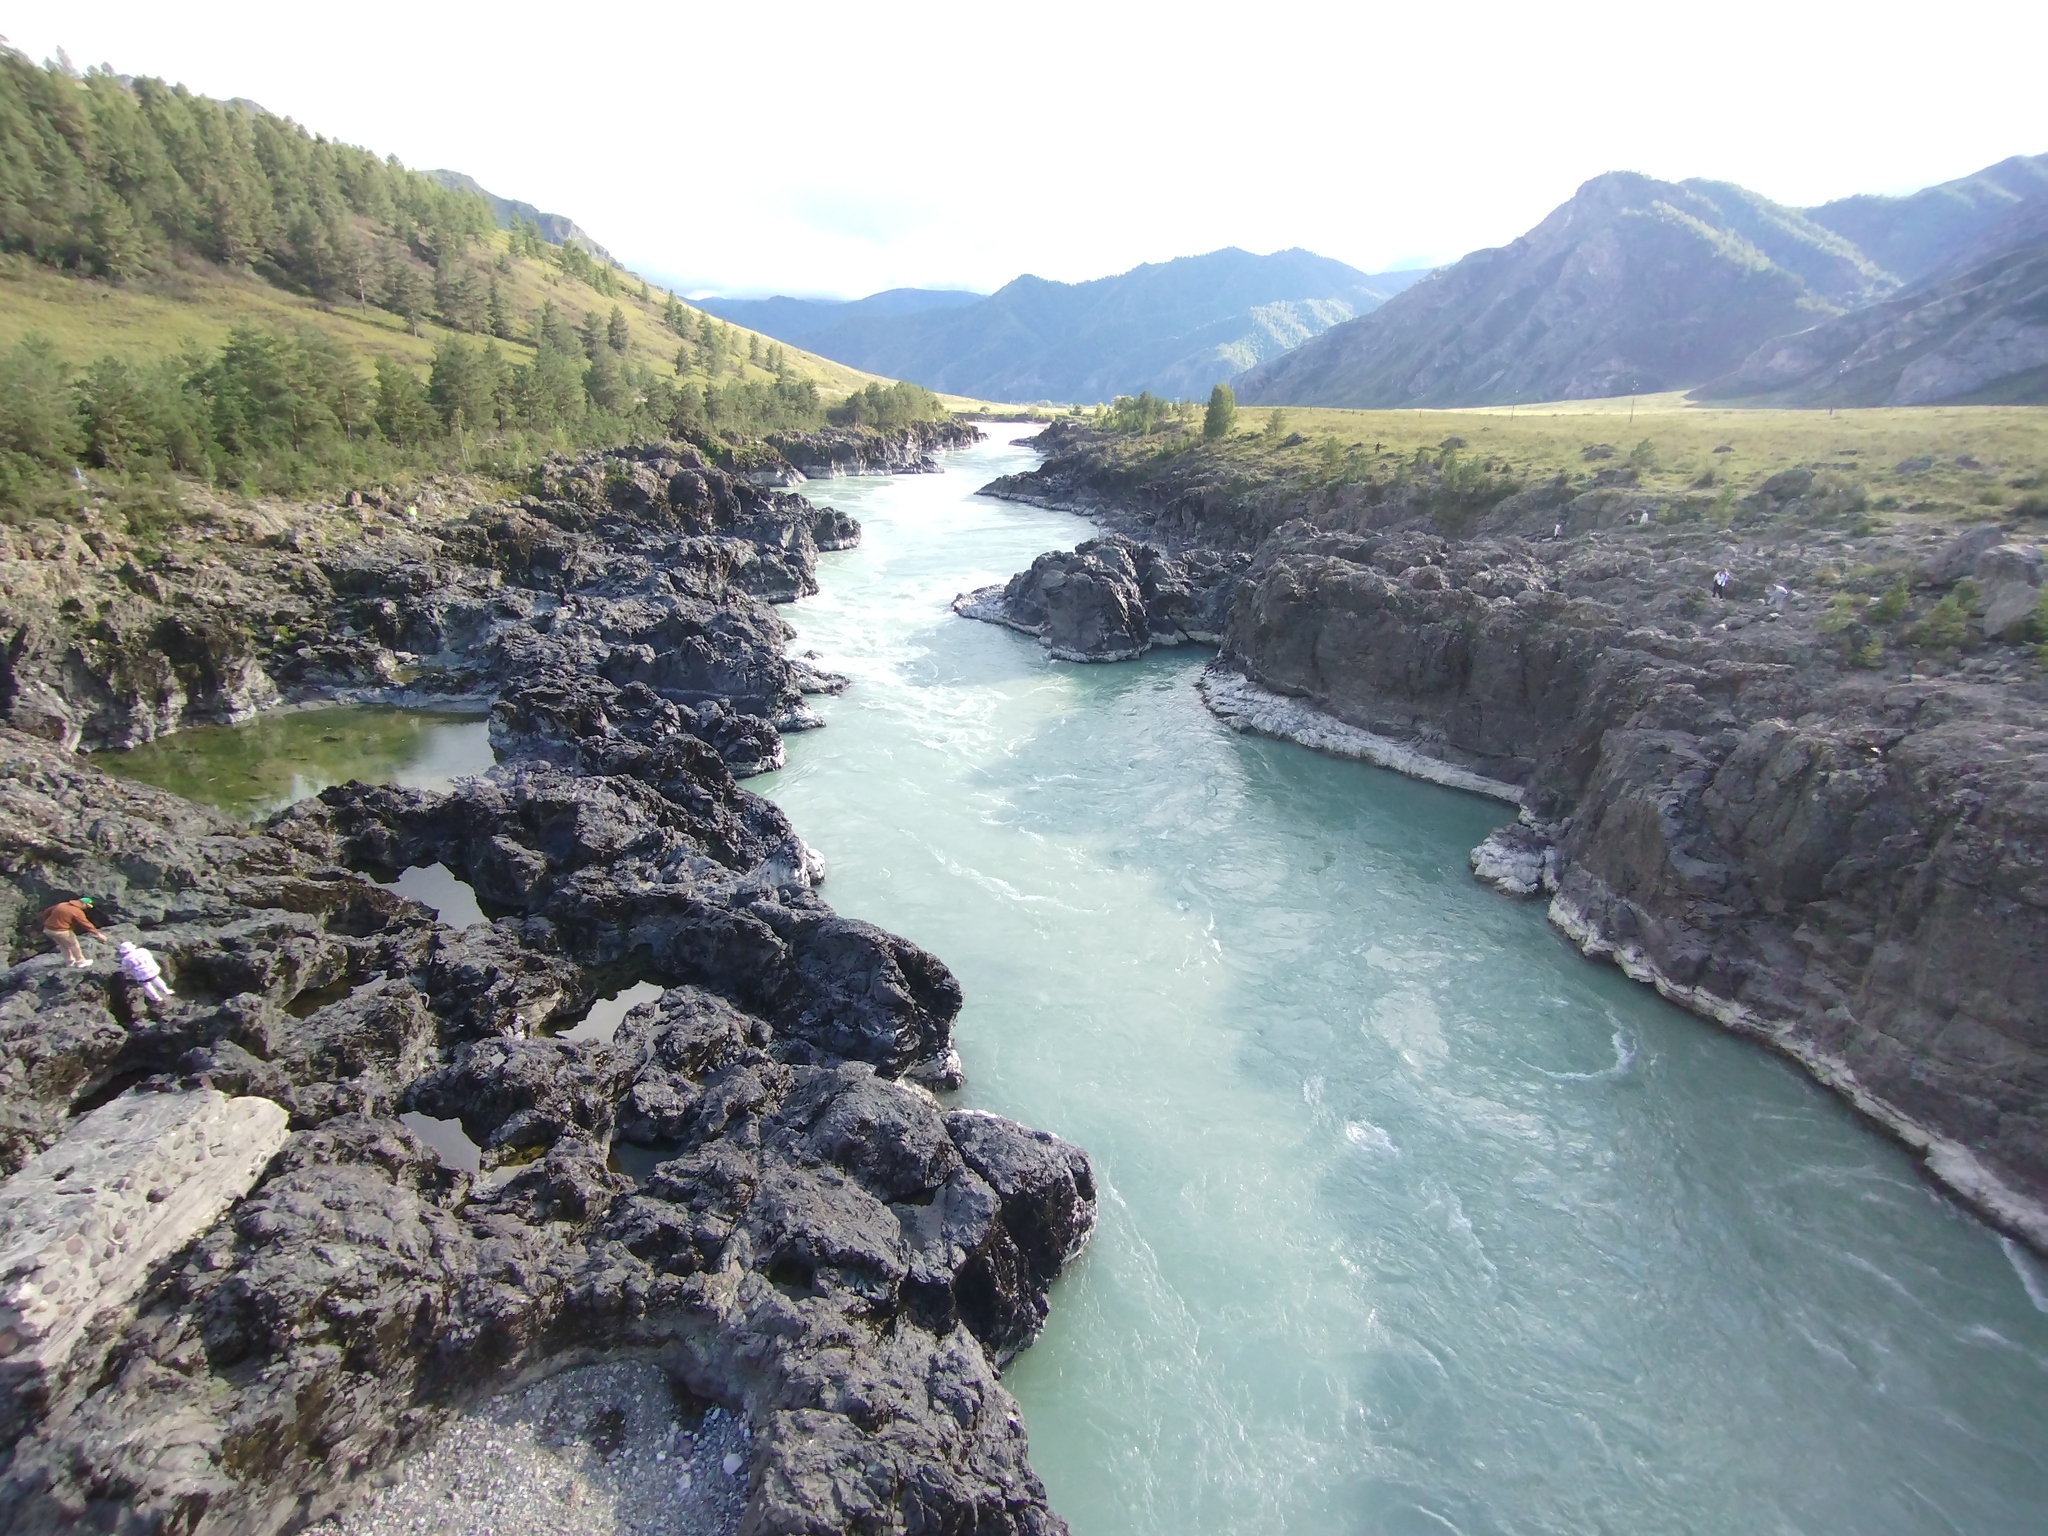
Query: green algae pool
[264, 765]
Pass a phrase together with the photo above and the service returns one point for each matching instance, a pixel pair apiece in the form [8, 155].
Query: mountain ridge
[1637, 285]
[1174, 327]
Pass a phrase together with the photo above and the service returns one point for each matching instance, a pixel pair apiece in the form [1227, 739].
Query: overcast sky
[846, 147]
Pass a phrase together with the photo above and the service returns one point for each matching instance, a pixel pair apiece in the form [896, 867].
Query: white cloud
[845, 148]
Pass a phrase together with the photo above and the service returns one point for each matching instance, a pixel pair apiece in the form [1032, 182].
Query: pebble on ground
[600, 1450]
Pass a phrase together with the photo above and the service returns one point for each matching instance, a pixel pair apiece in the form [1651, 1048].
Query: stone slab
[84, 1222]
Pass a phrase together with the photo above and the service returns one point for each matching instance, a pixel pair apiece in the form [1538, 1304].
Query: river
[1413, 1220]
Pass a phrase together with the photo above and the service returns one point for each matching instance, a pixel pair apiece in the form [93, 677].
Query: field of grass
[153, 317]
[1981, 461]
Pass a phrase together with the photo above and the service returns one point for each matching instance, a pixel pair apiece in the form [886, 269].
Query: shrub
[1844, 609]
[1890, 608]
[1947, 624]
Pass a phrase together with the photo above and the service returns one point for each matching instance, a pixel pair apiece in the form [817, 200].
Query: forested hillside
[198, 288]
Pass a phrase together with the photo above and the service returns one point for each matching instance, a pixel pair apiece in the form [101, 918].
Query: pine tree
[616, 332]
[497, 315]
[1220, 420]
[403, 414]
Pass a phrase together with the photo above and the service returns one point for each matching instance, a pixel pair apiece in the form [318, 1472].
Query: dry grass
[201, 304]
[1975, 453]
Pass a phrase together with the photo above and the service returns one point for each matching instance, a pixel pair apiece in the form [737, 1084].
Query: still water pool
[262, 766]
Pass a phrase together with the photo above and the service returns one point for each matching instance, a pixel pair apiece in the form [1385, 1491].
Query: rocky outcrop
[808, 1237]
[645, 565]
[867, 451]
[820, 1246]
[1806, 805]
[1111, 599]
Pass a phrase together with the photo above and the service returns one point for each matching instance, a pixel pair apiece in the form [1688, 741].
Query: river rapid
[1413, 1220]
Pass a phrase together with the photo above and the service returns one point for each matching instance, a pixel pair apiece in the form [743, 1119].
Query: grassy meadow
[154, 316]
[1983, 462]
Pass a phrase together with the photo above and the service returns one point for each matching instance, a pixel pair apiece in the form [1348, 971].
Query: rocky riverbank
[859, 451]
[282, 1290]
[1806, 803]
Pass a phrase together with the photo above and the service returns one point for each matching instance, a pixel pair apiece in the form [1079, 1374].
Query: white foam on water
[2028, 1269]
[1368, 1137]
[1624, 1058]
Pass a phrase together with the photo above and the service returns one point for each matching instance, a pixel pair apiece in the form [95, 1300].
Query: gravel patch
[594, 1451]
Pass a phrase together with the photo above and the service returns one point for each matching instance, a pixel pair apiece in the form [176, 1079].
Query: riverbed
[1413, 1219]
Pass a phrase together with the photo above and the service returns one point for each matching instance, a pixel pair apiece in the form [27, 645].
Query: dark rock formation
[1817, 821]
[645, 565]
[819, 1246]
[863, 451]
[1112, 598]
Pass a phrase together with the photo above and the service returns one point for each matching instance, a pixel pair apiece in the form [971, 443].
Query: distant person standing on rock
[1721, 580]
[62, 924]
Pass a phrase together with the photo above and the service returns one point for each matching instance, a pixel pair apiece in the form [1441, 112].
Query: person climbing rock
[141, 967]
[62, 924]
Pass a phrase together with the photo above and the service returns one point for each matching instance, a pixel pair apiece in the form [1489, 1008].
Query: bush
[1947, 624]
[1143, 412]
[1890, 608]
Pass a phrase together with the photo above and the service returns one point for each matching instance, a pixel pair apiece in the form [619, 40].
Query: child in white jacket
[140, 967]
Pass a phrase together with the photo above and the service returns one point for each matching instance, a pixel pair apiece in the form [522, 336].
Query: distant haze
[833, 149]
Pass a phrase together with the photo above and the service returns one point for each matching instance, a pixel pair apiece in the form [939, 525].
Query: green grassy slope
[1936, 462]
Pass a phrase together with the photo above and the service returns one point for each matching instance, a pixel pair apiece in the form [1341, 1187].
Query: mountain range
[1639, 285]
[1174, 327]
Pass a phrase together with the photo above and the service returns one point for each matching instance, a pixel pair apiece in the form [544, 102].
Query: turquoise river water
[1413, 1220]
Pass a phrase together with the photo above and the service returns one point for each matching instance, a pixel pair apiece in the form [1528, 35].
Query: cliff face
[286, 1289]
[1817, 830]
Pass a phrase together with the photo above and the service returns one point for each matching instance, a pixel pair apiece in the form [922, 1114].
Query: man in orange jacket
[62, 925]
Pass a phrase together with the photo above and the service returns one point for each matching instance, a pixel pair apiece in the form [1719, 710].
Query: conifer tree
[1220, 420]
[616, 332]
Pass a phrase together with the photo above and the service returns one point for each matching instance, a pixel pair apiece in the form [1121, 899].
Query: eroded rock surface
[748, 1185]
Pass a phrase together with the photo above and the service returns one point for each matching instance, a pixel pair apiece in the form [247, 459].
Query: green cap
[85, 901]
